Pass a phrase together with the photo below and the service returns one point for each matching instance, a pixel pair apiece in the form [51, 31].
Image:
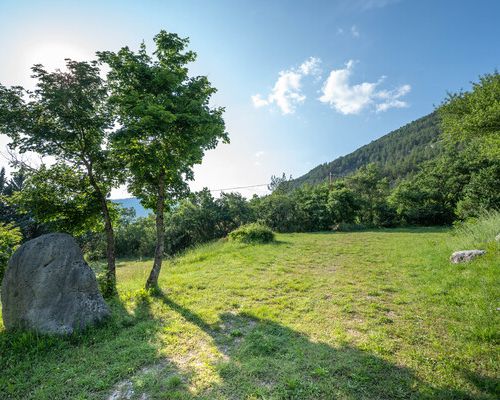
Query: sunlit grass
[365, 315]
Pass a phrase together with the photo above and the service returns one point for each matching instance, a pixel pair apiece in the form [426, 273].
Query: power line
[239, 187]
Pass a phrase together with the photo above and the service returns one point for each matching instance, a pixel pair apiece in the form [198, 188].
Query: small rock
[465, 255]
[497, 237]
[49, 288]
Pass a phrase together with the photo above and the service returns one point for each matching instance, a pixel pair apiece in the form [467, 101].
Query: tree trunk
[110, 288]
[110, 250]
[152, 281]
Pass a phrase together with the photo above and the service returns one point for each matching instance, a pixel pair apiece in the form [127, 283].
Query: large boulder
[465, 255]
[49, 288]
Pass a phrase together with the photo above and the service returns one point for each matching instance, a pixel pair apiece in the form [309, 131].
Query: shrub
[10, 237]
[477, 232]
[252, 233]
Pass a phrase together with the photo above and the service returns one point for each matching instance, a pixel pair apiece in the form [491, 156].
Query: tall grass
[478, 232]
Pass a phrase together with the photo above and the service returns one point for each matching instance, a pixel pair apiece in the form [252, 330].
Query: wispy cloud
[371, 4]
[352, 99]
[354, 31]
[287, 91]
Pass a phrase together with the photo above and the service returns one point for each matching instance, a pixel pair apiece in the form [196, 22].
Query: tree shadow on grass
[263, 359]
[85, 364]
[260, 359]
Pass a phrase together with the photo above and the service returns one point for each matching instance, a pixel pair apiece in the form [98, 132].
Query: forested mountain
[398, 153]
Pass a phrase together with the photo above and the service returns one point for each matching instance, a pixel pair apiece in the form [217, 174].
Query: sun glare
[52, 54]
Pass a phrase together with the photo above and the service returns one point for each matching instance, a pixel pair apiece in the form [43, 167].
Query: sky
[303, 82]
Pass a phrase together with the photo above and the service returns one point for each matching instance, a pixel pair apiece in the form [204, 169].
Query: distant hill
[399, 153]
[134, 203]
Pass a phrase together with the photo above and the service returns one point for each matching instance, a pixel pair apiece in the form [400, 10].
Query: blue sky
[303, 82]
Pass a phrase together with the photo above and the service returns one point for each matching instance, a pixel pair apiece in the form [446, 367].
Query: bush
[10, 238]
[477, 232]
[252, 233]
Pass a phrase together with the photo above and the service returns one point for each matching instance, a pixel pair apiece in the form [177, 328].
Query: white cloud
[352, 99]
[354, 31]
[391, 98]
[310, 66]
[287, 93]
[258, 101]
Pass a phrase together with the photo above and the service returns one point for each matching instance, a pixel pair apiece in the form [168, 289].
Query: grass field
[365, 315]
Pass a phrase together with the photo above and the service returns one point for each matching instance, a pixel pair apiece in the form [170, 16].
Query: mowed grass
[365, 315]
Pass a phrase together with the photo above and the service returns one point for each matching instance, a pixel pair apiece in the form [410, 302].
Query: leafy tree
[10, 213]
[421, 200]
[67, 117]
[234, 211]
[312, 208]
[372, 188]
[278, 211]
[475, 115]
[10, 238]
[167, 124]
[61, 198]
[482, 193]
[278, 183]
[343, 203]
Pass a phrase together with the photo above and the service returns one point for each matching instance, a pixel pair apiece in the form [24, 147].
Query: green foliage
[398, 154]
[421, 200]
[61, 198]
[68, 117]
[343, 204]
[252, 233]
[313, 213]
[167, 123]
[479, 232]
[481, 193]
[136, 239]
[10, 238]
[11, 213]
[372, 190]
[278, 211]
[475, 115]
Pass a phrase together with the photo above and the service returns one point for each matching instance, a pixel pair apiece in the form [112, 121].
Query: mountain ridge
[399, 153]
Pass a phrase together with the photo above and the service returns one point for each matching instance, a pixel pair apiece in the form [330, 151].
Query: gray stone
[465, 255]
[497, 237]
[49, 288]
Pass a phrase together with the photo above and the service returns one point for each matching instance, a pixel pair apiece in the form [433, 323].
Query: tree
[10, 238]
[60, 198]
[343, 203]
[475, 115]
[372, 189]
[167, 124]
[67, 117]
[278, 183]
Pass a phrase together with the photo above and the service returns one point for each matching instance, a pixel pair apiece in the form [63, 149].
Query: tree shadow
[85, 364]
[259, 359]
[264, 359]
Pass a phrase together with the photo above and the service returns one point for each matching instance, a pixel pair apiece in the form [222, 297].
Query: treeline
[448, 189]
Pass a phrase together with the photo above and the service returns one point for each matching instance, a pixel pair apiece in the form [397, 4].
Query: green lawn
[366, 315]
